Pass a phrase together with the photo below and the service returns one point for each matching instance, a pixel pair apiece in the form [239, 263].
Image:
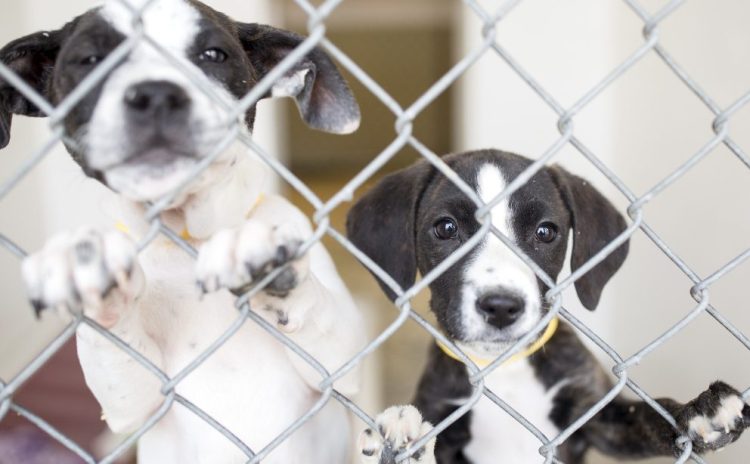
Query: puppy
[413, 219]
[142, 131]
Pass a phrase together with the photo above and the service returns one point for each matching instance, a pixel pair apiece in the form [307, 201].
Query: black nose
[500, 309]
[156, 99]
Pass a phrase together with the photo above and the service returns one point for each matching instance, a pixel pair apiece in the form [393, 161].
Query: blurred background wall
[643, 126]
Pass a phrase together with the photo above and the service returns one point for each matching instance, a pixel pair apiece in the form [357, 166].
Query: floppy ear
[322, 95]
[381, 224]
[595, 223]
[32, 58]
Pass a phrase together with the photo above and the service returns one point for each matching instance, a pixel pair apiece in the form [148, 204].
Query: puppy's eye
[546, 232]
[90, 60]
[446, 229]
[213, 55]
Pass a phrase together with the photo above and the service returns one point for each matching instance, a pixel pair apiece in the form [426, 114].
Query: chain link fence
[404, 119]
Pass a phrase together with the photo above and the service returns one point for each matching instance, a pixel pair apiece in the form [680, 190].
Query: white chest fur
[249, 377]
[498, 438]
[248, 385]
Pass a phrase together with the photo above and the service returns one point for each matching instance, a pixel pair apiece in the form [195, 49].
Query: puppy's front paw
[234, 258]
[717, 417]
[89, 269]
[400, 426]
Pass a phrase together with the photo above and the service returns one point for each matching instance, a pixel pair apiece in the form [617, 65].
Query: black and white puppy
[413, 219]
[141, 132]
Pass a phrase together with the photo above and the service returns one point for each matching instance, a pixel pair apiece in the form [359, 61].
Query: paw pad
[398, 428]
[716, 418]
[236, 258]
[82, 270]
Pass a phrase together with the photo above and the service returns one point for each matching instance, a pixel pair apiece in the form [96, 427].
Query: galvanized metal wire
[404, 118]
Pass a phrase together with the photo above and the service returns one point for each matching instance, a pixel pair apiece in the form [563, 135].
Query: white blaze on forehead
[495, 267]
[490, 183]
[171, 23]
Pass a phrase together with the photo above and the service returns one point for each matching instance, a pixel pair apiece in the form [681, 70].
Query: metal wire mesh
[404, 118]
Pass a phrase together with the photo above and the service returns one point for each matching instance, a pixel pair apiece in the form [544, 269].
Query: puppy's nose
[500, 309]
[156, 99]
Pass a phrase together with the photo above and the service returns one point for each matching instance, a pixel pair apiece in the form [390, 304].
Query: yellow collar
[185, 234]
[533, 348]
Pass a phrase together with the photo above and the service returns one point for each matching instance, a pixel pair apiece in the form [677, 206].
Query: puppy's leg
[98, 272]
[632, 429]
[443, 388]
[307, 301]
[399, 427]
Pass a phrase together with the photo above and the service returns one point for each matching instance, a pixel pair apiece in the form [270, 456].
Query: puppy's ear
[381, 224]
[32, 58]
[322, 95]
[595, 223]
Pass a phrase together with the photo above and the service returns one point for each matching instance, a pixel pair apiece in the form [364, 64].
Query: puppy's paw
[400, 427]
[717, 417]
[88, 269]
[235, 258]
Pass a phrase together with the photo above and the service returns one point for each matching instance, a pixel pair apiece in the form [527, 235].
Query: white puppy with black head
[142, 131]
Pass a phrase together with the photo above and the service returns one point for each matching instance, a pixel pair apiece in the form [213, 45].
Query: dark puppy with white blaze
[142, 131]
[413, 219]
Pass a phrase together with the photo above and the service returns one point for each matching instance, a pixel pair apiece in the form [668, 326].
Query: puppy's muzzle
[500, 309]
[158, 115]
[157, 103]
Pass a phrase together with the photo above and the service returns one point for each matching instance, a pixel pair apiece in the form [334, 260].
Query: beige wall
[643, 127]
